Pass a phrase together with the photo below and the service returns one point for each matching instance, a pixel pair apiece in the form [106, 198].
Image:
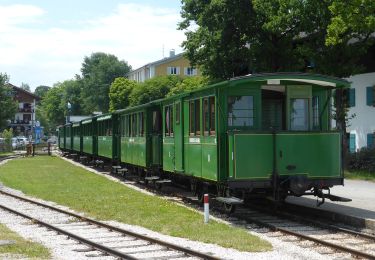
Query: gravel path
[63, 248]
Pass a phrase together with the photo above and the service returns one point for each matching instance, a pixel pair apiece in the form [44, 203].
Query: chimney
[172, 53]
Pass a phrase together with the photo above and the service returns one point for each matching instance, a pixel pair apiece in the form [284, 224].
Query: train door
[156, 137]
[178, 137]
[168, 138]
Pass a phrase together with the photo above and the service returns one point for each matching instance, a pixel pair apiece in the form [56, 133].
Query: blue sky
[44, 42]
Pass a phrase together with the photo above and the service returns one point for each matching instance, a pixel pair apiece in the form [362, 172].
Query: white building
[362, 103]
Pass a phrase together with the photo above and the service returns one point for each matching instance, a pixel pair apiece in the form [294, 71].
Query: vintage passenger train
[256, 135]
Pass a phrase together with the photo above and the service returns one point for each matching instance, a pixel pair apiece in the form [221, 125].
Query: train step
[230, 200]
[152, 178]
[163, 181]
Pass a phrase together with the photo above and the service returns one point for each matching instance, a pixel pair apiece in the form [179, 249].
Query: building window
[371, 140]
[370, 96]
[351, 143]
[190, 71]
[241, 111]
[173, 70]
[350, 97]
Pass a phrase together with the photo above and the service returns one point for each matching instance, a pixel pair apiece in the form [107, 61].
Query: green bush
[7, 145]
[364, 160]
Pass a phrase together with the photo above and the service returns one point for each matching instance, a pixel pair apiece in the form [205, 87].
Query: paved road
[362, 194]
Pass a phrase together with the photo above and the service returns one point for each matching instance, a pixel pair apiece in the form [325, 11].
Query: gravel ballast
[63, 248]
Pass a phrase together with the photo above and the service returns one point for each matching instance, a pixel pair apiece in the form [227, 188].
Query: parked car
[22, 140]
[15, 143]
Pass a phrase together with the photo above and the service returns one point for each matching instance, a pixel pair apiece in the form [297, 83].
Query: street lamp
[69, 108]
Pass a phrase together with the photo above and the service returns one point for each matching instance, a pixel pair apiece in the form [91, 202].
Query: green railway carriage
[76, 137]
[61, 139]
[88, 132]
[107, 135]
[140, 135]
[261, 134]
[68, 137]
[257, 133]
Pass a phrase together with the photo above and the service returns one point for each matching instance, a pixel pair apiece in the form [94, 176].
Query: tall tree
[119, 93]
[8, 106]
[152, 89]
[231, 38]
[41, 90]
[98, 72]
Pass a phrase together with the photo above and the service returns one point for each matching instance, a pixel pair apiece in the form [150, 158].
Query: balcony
[25, 110]
[20, 122]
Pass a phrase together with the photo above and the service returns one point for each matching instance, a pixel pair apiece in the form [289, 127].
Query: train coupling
[329, 196]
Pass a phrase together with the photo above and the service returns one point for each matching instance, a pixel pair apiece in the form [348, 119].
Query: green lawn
[54, 179]
[3, 154]
[366, 176]
[21, 247]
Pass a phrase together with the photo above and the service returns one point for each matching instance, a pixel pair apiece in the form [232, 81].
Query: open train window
[168, 112]
[156, 122]
[178, 111]
[141, 124]
[195, 123]
[206, 117]
[240, 111]
[212, 115]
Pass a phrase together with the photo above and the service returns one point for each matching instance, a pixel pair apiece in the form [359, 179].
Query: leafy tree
[7, 134]
[41, 90]
[352, 19]
[25, 86]
[152, 89]
[188, 84]
[54, 105]
[232, 38]
[119, 93]
[98, 72]
[8, 106]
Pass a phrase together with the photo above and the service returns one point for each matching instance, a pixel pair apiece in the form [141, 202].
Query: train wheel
[228, 208]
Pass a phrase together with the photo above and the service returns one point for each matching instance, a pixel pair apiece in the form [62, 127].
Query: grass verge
[4, 154]
[360, 175]
[21, 247]
[53, 179]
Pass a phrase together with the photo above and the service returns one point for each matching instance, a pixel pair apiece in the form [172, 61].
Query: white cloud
[13, 15]
[133, 32]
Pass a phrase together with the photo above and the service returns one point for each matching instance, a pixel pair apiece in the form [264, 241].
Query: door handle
[281, 154]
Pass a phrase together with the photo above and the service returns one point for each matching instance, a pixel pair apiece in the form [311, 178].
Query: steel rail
[101, 248]
[305, 219]
[318, 241]
[120, 230]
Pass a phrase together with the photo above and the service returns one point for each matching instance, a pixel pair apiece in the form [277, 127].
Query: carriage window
[195, 120]
[134, 125]
[168, 112]
[128, 126]
[241, 111]
[299, 114]
[178, 108]
[156, 125]
[212, 115]
[141, 126]
[191, 118]
[206, 117]
[315, 112]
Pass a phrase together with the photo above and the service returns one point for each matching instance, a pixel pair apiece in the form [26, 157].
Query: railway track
[327, 239]
[117, 242]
